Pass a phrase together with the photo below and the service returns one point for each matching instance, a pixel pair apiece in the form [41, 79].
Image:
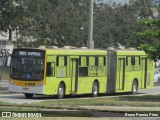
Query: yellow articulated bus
[79, 71]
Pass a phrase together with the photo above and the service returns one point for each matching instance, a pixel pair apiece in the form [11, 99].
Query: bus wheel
[95, 89]
[28, 95]
[134, 87]
[61, 91]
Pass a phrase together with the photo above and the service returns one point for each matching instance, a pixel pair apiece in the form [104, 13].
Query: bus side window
[133, 60]
[61, 61]
[101, 61]
[87, 61]
[104, 59]
[82, 61]
[91, 61]
[65, 60]
[83, 71]
[96, 61]
[49, 69]
[83, 66]
[137, 60]
[129, 61]
[57, 61]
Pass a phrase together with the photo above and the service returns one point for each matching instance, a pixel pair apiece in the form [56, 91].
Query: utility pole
[90, 30]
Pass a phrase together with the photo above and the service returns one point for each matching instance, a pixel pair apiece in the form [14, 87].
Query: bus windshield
[24, 68]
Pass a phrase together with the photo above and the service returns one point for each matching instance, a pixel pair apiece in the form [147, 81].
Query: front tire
[95, 89]
[134, 87]
[61, 91]
[28, 95]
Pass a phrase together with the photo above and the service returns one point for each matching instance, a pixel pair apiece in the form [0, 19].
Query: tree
[111, 27]
[11, 16]
[148, 37]
[151, 36]
[116, 24]
[54, 22]
[60, 23]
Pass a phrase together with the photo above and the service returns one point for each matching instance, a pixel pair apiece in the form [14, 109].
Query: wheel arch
[95, 88]
[64, 84]
[96, 80]
[137, 80]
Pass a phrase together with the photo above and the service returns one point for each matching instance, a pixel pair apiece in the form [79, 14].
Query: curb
[3, 88]
[4, 85]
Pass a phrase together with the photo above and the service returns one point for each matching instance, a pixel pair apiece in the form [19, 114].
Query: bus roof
[128, 52]
[79, 51]
[62, 51]
[66, 51]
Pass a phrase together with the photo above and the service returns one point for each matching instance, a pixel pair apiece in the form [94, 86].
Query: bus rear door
[74, 74]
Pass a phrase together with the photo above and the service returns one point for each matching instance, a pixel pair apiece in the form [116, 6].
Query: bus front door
[74, 74]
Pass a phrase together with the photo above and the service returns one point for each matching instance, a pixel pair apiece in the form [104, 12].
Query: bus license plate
[25, 88]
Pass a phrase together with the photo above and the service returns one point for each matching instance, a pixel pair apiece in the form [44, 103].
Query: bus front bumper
[27, 89]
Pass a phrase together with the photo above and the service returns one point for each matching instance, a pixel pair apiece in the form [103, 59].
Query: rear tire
[134, 87]
[61, 91]
[95, 89]
[28, 95]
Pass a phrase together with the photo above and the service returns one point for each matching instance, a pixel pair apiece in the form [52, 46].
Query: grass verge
[145, 100]
[75, 110]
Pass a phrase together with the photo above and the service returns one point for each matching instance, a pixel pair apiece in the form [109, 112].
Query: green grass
[10, 108]
[146, 100]
[50, 105]
[5, 103]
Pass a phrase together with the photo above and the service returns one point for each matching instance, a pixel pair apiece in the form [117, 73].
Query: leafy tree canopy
[65, 22]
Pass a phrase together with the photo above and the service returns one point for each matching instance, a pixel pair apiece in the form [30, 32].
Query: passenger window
[65, 60]
[57, 61]
[96, 61]
[82, 61]
[104, 58]
[137, 60]
[83, 71]
[133, 60]
[50, 67]
[129, 61]
[101, 61]
[87, 60]
[61, 61]
[91, 61]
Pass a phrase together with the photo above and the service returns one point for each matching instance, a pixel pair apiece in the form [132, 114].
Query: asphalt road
[20, 98]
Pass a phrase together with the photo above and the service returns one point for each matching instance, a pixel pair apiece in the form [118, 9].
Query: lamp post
[90, 30]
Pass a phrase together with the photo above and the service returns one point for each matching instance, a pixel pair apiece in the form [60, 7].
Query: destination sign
[28, 53]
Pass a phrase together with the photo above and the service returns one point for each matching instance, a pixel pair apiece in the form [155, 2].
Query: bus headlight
[40, 84]
[12, 83]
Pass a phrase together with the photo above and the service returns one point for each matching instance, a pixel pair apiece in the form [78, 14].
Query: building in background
[6, 48]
